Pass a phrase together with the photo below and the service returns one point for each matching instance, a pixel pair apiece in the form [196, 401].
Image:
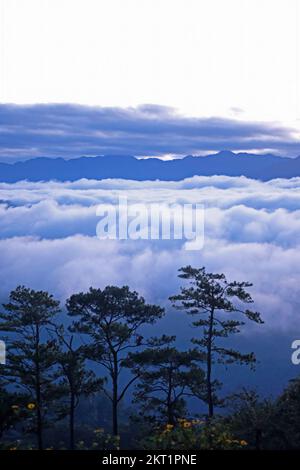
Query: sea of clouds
[252, 232]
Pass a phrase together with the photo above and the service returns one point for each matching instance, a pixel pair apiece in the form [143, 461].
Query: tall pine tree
[218, 306]
[30, 355]
[112, 320]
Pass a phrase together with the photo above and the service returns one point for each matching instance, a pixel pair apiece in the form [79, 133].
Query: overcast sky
[234, 59]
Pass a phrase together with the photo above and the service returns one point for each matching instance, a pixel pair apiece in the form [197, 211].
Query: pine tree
[75, 379]
[31, 356]
[165, 377]
[112, 319]
[214, 300]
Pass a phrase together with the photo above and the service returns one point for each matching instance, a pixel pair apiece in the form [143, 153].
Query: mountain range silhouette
[262, 167]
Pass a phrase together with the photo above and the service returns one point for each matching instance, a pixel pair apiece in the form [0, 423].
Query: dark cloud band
[71, 130]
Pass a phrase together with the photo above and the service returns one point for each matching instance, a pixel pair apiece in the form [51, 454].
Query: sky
[236, 60]
[153, 78]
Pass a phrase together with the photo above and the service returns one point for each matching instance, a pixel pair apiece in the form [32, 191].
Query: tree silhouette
[112, 318]
[165, 376]
[212, 298]
[30, 356]
[75, 379]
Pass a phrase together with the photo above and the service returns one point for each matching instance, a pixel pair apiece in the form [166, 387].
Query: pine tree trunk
[115, 410]
[72, 412]
[38, 390]
[209, 367]
[115, 396]
[171, 419]
[170, 412]
[39, 426]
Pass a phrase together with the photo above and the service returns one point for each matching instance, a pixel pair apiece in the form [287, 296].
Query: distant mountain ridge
[261, 167]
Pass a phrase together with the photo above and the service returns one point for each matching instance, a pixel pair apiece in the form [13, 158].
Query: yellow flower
[31, 406]
[186, 424]
[169, 427]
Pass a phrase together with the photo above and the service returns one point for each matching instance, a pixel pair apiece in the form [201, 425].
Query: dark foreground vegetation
[97, 379]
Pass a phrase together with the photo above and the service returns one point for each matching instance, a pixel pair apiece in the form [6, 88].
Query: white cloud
[252, 233]
[64, 266]
[204, 57]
